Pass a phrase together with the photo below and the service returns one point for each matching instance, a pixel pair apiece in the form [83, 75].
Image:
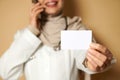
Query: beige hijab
[50, 34]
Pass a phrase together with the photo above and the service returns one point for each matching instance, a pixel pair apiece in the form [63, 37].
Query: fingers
[34, 13]
[38, 12]
[91, 64]
[98, 47]
[98, 57]
[35, 5]
[36, 9]
[102, 49]
[95, 64]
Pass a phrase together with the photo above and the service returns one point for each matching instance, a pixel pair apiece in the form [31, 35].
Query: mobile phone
[35, 1]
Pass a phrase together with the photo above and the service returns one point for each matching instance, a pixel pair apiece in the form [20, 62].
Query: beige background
[102, 16]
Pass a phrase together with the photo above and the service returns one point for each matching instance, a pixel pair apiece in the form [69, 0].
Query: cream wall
[102, 16]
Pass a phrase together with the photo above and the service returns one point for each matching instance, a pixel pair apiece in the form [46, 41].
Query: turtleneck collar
[50, 34]
[55, 18]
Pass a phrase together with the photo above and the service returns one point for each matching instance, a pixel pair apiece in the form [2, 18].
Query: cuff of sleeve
[85, 63]
[80, 57]
[34, 30]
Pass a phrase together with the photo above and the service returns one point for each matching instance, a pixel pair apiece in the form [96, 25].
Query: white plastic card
[76, 40]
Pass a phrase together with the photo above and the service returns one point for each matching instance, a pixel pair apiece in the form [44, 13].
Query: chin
[53, 13]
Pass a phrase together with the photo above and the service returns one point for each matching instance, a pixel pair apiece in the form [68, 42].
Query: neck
[45, 18]
[54, 18]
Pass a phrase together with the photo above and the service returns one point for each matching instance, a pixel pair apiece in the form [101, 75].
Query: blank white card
[76, 40]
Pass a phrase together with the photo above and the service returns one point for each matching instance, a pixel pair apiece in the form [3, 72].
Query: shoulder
[20, 32]
[75, 23]
[74, 19]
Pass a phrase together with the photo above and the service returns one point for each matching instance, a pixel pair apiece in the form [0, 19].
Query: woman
[35, 50]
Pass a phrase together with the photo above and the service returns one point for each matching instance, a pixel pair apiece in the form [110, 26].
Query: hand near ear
[34, 15]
